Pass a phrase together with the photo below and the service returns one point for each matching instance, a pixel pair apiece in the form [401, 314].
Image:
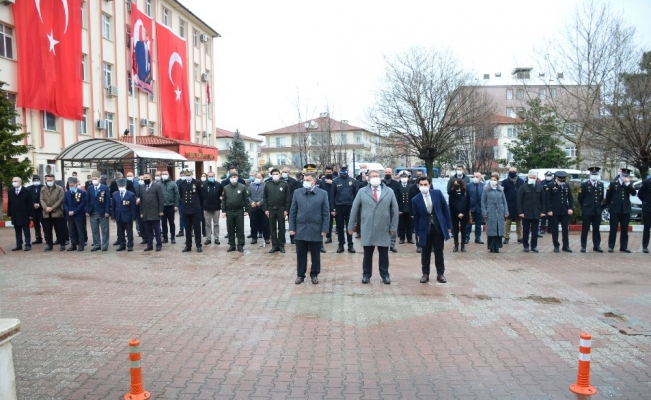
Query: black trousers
[168, 218]
[152, 229]
[259, 223]
[367, 262]
[38, 221]
[21, 230]
[277, 226]
[235, 225]
[456, 222]
[332, 220]
[616, 220]
[302, 247]
[530, 227]
[128, 227]
[405, 226]
[342, 217]
[192, 221]
[591, 221]
[77, 231]
[564, 220]
[435, 241]
[59, 225]
[646, 230]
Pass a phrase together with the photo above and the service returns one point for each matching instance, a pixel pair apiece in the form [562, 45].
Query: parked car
[636, 203]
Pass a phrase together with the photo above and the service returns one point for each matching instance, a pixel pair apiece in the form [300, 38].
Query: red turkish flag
[48, 40]
[173, 81]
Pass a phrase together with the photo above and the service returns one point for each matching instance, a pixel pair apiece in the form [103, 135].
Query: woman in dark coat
[495, 210]
[459, 211]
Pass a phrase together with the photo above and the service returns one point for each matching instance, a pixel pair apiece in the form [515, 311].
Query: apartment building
[253, 145]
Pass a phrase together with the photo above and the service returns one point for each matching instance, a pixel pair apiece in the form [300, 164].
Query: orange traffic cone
[137, 392]
[582, 385]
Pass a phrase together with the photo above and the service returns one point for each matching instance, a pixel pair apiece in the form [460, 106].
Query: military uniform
[191, 194]
[543, 220]
[235, 202]
[618, 200]
[560, 202]
[591, 198]
[405, 227]
[276, 202]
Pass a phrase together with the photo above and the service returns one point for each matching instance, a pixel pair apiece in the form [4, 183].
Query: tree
[237, 156]
[11, 144]
[426, 100]
[587, 59]
[538, 142]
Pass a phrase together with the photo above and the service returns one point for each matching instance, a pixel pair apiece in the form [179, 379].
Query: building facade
[223, 139]
[110, 105]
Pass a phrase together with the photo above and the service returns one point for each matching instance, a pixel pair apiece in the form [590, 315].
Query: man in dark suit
[21, 210]
[98, 208]
[74, 206]
[326, 184]
[151, 209]
[511, 186]
[124, 211]
[591, 198]
[395, 186]
[644, 194]
[191, 194]
[560, 205]
[433, 224]
[35, 189]
[531, 207]
[114, 185]
[293, 184]
[618, 200]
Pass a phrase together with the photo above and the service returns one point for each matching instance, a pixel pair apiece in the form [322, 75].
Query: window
[152, 128]
[6, 41]
[552, 93]
[197, 107]
[570, 151]
[358, 138]
[182, 28]
[511, 132]
[543, 94]
[12, 98]
[49, 121]
[343, 138]
[109, 125]
[127, 36]
[208, 46]
[280, 142]
[520, 94]
[195, 38]
[82, 126]
[129, 84]
[83, 12]
[209, 111]
[83, 67]
[150, 97]
[148, 8]
[196, 72]
[197, 137]
[132, 126]
[106, 26]
[108, 74]
[509, 112]
[166, 16]
[251, 147]
[509, 94]
[509, 156]
[281, 160]
[520, 110]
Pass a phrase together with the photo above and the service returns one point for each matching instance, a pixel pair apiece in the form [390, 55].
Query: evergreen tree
[11, 144]
[237, 156]
[538, 144]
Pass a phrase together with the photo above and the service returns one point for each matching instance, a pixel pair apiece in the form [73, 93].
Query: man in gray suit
[309, 221]
[152, 202]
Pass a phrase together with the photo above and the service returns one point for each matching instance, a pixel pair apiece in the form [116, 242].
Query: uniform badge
[580, 190]
[281, 189]
[239, 191]
[350, 183]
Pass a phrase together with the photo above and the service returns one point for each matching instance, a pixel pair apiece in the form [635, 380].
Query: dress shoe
[280, 249]
[173, 241]
[411, 241]
[557, 250]
[226, 236]
[28, 248]
[535, 249]
[455, 248]
[180, 233]
[315, 280]
[386, 280]
[441, 278]
[340, 249]
[328, 240]
[610, 249]
[526, 249]
[95, 249]
[148, 249]
[506, 241]
[597, 249]
[402, 241]
[207, 242]
[519, 240]
[17, 248]
[299, 280]
[272, 250]
[419, 249]
[540, 235]
[241, 249]
[116, 243]
[351, 249]
[63, 248]
[463, 248]
[466, 241]
[479, 241]
[129, 248]
[323, 250]
[624, 250]
[217, 241]
[230, 248]
[186, 249]
[143, 241]
[254, 241]
[38, 241]
[424, 278]
[121, 248]
[358, 236]
[393, 249]
[291, 240]
[105, 249]
[582, 249]
[48, 248]
[199, 249]
[365, 279]
[645, 250]
[567, 249]
[164, 240]
[158, 248]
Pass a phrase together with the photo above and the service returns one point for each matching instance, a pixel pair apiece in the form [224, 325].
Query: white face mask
[549, 178]
[36, 183]
[531, 181]
[475, 180]
[142, 182]
[203, 179]
[165, 177]
[15, 184]
[307, 185]
[130, 178]
[49, 184]
[404, 180]
[157, 178]
[122, 190]
[188, 178]
[233, 180]
[594, 177]
[257, 181]
[275, 178]
[423, 189]
[95, 182]
[375, 181]
[285, 175]
[459, 172]
[494, 184]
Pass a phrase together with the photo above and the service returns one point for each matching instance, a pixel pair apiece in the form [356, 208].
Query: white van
[370, 166]
[572, 174]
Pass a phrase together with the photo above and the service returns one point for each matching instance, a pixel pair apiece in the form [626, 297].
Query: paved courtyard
[223, 325]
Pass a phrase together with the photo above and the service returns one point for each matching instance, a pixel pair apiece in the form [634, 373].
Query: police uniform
[405, 227]
[344, 190]
[591, 198]
[191, 194]
[618, 200]
[560, 202]
[543, 221]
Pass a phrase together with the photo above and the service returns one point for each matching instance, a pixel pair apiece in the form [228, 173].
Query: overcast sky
[331, 53]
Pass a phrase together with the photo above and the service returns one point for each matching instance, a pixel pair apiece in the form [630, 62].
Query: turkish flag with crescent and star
[48, 41]
[173, 83]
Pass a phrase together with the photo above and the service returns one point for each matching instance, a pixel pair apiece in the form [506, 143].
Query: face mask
[233, 181]
[594, 177]
[211, 179]
[122, 190]
[49, 184]
[307, 185]
[343, 175]
[531, 181]
[387, 177]
[549, 178]
[561, 182]
[494, 184]
[36, 183]
[165, 177]
[141, 182]
[423, 189]
[459, 172]
[375, 181]
[475, 180]
[188, 178]
[95, 182]
[203, 179]
[15, 184]
[513, 174]
[147, 181]
[404, 180]
[157, 178]
[328, 176]
[285, 175]
[252, 178]
[130, 178]
[257, 181]
[275, 178]
[71, 188]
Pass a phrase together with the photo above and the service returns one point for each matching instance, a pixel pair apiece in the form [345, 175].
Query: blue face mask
[73, 189]
[251, 178]
[211, 179]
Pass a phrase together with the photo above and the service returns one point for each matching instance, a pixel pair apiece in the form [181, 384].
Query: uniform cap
[36, 177]
[188, 171]
[594, 170]
[626, 172]
[404, 173]
[549, 173]
[233, 174]
[561, 174]
[310, 168]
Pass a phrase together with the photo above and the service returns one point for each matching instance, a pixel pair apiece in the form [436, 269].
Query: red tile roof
[321, 125]
[152, 140]
[502, 120]
[223, 133]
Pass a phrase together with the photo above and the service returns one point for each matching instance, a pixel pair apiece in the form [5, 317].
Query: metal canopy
[108, 149]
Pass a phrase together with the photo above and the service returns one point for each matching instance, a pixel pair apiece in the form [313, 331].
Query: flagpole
[133, 107]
